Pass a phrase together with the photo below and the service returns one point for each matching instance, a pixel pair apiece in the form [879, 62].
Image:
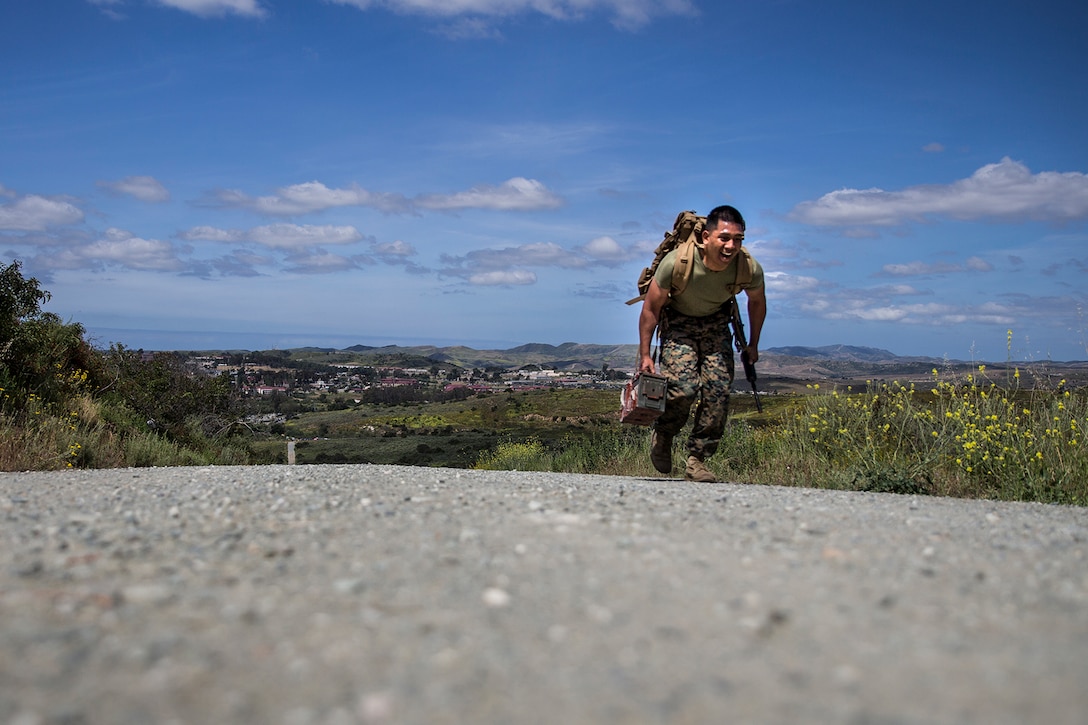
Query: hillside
[844, 363]
[568, 356]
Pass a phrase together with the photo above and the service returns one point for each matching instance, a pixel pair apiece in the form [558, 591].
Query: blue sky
[183, 174]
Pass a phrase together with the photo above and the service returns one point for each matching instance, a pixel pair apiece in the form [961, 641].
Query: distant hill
[784, 366]
[568, 356]
[826, 361]
[842, 352]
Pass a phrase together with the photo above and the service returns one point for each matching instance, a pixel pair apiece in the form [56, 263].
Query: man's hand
[647, 323]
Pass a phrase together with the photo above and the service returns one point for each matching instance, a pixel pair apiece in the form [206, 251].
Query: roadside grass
[622, 452]
[973, 435]
[498, 412]
[612, 448]
[965, 436]
[87, 433]
[449, 434]
[453, 450]
[970, 436]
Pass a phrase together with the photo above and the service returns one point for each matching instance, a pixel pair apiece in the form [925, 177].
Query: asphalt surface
[384, 594]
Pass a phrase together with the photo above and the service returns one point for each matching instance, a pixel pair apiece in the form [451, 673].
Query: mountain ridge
[783, 367]
[572, 355]
[838, 361]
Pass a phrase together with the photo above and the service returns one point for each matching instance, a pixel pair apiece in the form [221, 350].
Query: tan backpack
[687, 234]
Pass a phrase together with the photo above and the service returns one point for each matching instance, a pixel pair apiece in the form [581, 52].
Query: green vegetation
[454, 432]
[971, 437]
[967, 437]
[64, 404]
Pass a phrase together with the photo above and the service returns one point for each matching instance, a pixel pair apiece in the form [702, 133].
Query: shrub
[65, 404]
[968, 437]
[527, 455]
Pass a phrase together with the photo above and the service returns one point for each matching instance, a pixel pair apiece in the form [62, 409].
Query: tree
[168, 397]
[20, 300]
[39, 354]
[47, 369]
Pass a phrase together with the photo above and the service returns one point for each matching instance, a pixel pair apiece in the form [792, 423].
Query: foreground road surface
[359, 594]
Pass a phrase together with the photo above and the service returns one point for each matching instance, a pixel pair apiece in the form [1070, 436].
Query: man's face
[721, 245]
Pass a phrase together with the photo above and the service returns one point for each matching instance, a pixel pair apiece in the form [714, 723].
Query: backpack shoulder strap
[689, 226]
[683, 267]
[744, 272]
[687, 229]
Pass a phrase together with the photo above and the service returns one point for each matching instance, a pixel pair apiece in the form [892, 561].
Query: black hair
[724, 214]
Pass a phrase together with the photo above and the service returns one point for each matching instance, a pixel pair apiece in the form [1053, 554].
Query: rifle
[741, 343]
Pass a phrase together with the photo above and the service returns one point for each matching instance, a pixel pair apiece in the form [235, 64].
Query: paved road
[360, 594]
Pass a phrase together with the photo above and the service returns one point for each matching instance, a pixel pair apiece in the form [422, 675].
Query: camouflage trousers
[697, 358]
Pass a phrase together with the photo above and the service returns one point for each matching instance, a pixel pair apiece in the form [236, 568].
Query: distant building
[269, 389]
[397, 382]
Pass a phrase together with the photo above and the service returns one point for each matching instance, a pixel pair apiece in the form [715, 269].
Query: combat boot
[661, 452]
[697, 471]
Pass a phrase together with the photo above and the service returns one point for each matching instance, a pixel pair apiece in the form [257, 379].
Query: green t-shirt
[707, 290]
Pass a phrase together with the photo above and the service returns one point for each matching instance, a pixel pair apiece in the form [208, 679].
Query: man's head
[724, 214]
[723, 236]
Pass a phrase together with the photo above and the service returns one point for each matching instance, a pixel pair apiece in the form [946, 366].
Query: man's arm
[757, 313]
[648, 319]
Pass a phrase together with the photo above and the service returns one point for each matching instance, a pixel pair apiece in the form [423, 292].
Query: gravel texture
[385, 594]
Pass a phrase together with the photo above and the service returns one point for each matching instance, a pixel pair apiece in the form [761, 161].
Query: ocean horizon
[187, 340]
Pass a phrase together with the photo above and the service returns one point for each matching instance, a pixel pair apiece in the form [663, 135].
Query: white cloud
[36, 213]
[295, 236]
[503, 277]
[978, 264]
[310, 197]
[394, 253]
[480, 265]
[878, 305]
[118, 248]
[1006, 191]
[783, 283]
[606, 249]
[870, 314]
[539, 254]
[217, 8]
[911, 269]
[604, 291]
[320, 263]
[239, 263]
[897, 289]
[517, 194]
[315, 196]
[214, 234]
[398, 253]
[795, 255]
[107, 7]
[396, 249]
[144, 188]
[291, 237]
[626, 14]
[933, 148]
[895, 304]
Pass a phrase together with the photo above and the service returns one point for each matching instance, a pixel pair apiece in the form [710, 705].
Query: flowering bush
[968, 436]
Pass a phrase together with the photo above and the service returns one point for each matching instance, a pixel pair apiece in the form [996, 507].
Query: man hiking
[695, 343]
